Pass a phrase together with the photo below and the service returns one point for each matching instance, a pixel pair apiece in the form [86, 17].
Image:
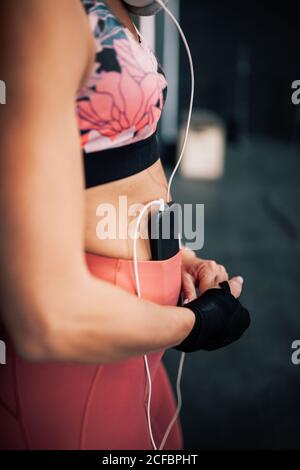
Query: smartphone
[164, 232]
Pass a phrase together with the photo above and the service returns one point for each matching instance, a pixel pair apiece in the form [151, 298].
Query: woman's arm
[51, 305]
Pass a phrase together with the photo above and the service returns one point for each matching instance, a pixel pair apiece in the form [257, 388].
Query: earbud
[144, 7]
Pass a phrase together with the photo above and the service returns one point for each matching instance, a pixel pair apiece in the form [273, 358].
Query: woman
[74, 328]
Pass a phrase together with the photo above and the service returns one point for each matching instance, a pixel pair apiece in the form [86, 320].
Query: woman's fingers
[222, 274]
[210, 274]
[188, 287]
[236, 285]
[207, 274]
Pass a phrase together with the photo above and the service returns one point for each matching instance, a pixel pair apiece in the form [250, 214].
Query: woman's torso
[122, 194]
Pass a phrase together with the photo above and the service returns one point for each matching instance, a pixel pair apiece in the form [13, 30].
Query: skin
[53, 308]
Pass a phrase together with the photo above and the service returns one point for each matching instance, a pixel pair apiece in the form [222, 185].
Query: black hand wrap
[220, 320]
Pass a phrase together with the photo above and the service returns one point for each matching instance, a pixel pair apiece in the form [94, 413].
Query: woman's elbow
[38, 336]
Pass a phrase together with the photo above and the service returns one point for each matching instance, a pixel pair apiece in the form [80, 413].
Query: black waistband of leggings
[117, 163]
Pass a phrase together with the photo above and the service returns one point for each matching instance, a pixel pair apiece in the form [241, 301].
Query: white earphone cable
[179, 402]
[161, 203]
[190, 58]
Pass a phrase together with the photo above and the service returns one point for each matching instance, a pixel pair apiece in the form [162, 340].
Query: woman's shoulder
[44, 36]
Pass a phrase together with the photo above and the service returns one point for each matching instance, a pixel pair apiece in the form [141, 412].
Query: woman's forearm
[96, 321]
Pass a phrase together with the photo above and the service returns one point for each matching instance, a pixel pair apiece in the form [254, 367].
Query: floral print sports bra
[120, 105]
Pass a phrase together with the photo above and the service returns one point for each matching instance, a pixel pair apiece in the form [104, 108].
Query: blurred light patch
[205, 151]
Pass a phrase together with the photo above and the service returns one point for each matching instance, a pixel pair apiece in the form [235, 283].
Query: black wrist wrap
[220, 320]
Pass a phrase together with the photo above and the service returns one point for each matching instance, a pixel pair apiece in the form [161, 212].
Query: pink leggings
[74, 406]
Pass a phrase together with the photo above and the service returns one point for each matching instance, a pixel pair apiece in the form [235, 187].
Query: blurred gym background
[243, 163]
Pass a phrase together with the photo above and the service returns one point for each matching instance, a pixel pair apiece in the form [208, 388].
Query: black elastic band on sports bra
[117, 163]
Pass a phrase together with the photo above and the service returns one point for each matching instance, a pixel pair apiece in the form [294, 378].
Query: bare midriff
[111, 212]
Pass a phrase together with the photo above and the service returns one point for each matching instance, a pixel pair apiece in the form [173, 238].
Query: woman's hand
[203, 274]
[220, 319]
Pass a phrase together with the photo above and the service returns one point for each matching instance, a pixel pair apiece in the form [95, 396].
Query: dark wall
[246, 56]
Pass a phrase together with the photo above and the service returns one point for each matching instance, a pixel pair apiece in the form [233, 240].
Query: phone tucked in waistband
[164, 231]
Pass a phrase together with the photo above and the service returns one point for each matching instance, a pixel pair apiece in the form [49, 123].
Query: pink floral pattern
[123, 100]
